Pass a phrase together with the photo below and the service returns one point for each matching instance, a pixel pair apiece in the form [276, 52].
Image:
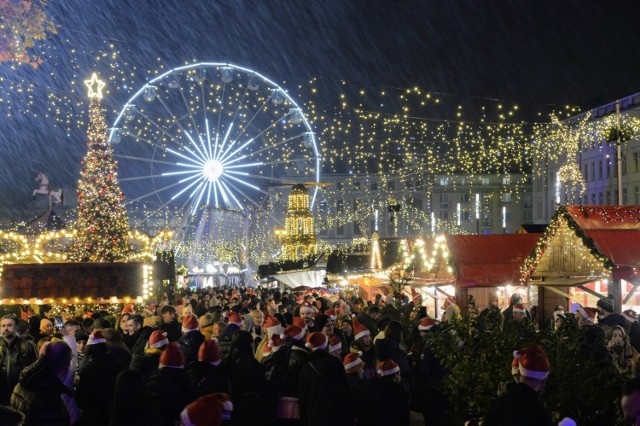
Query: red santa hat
[335, 344]
[387, 368]
[588, 313]
[317, 340]
[189, 323]
[299, 322]
[630, 315]
[209, 352]
[96, 337]
[532, 362]
[300, 299]
[275, 342]
[158, 339]
[306, 307]
[235, 318]
[150, 309]
[519, 307]
[426, 324]
[128, 309]
[359, 330]
[208, 410]
[294, 332]
[172, 357]
[272, 326]
[352, 362]
[515, 367]
[330, 313]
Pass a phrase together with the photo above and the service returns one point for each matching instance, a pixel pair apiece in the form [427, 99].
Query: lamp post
[618, 152]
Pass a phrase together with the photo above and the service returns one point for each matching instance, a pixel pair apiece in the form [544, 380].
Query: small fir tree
[102, 226]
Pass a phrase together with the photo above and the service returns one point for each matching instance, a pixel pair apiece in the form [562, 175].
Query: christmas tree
[102, 226]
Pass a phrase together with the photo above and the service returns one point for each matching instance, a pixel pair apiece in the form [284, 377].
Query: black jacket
[190, 344]
[171, 387]
[520, 405]
[206, 378]
[139, 340]
[38, 396]
[324, 392]
[390, 349]
[173, 330]
[14, 358]
[95, 389]
[382, 402]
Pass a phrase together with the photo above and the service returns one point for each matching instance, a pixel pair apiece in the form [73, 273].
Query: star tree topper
[95, 86]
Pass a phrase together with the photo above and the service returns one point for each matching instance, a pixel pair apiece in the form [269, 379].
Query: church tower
[299, 238]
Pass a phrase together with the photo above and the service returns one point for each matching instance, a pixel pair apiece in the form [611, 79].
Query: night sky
[540, 55]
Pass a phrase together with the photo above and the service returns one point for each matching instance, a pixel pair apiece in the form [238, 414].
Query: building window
[506, 197]
[593, 198]
[507, 217]
[444, 214]
[608, 198]
[637, 195]
[323, 207]
[391, 185]
[528, 200]
[600, 198]
[506, 180]
[340, 206]
[586, 172]
[444, 197]
[486, 181]
[624, 164]
[340, 230]
[593, 171]
[340, 186]
[600, 169]
[466, 216]
[624, 196]
[444, 181]
[357, 229]
[356, 185]
[636, 162]
[417, 204]
[374, 186]
[466, 197]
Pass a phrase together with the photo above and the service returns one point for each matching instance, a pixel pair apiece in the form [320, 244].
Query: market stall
[586, 253]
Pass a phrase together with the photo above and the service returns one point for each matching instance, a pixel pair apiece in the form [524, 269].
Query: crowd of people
[247, 356]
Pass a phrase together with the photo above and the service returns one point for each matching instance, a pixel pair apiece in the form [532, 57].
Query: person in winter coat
[383, 401]
[171, 385]
[97, 379]
[191, 339]
[15, 355]
[362, 342]
[208, 374]
[38, 394]
[324, 390]
[389, 348]
[129, 396]
[252, 400]
[148, 363]
[138, 334]
[169, 323]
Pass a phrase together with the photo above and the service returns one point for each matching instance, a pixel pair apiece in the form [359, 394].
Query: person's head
[393, 331]
[317, 341]
[494, 300]
[616, 336]
[87, 325]
[631, 401]
[519, 312]
[71, 326]
[44, 311]
[168, 314]
[122, 322]
[374, 312]
[9, 416]
[344, 324]
[361, 335]
[81, 340]
[426, 326]
[23, 329]
[533, 366]
[242, 342]
[586, 316]
[58, 356]
[9, 327]
[515, 298]
[134, 323]
[605, 307]
[389, 369]
[306, 312]
[324, 324]
[258, 318]
[46, 327]
[353, 364]
[217, 329]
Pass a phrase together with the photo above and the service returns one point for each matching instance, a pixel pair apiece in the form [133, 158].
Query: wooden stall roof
[490, 260]
[607, 236]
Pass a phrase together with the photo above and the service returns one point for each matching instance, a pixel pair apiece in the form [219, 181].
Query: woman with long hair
[623, 353]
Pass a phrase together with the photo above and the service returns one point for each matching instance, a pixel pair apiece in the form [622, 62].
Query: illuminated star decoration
[215, 168]
[95, 86]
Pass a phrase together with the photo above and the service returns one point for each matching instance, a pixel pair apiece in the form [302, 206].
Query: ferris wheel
[212, 135]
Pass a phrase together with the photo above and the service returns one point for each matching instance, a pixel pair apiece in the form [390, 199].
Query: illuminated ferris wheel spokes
[212, 134]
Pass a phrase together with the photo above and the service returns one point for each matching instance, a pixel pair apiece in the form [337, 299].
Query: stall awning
[490, 260]
[310, 278]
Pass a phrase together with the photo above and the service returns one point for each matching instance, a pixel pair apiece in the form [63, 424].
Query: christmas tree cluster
[102, 226]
